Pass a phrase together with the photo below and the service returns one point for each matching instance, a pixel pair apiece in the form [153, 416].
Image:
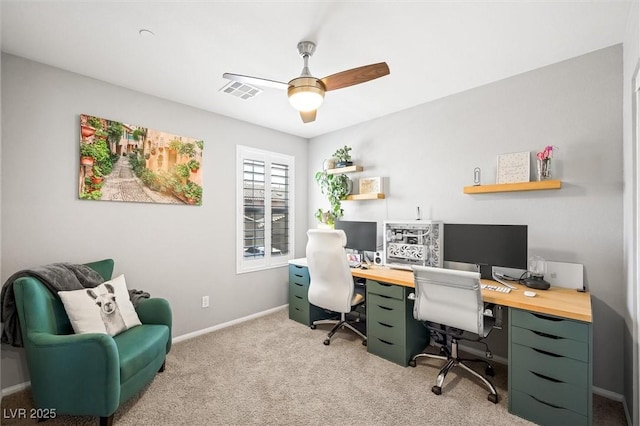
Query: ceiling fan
[306, 92]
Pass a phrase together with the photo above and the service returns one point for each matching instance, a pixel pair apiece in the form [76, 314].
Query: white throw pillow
[102, 309]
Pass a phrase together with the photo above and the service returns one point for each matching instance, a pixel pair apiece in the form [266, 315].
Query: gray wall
[631, 188]
[177, 252]
[428, 154]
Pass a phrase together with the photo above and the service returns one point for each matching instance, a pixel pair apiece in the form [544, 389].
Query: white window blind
[264, 209]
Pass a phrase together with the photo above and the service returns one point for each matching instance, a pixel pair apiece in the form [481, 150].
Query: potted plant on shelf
[343, 157]
[336, 188]
[325, 217]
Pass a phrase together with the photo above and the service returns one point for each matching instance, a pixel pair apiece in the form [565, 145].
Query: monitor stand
[486, 271]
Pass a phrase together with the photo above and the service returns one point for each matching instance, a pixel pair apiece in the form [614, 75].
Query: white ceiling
[433, 48]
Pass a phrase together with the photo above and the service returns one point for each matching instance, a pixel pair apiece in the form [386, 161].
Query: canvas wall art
[125, 162]
[513, 168]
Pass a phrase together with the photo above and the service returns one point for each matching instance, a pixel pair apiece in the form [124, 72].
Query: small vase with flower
[544, 163]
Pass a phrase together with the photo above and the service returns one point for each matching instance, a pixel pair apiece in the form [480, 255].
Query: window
[264, 209]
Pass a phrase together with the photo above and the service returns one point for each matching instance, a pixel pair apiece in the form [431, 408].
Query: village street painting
[123, 162]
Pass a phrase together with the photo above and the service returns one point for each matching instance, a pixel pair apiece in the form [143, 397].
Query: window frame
[245, 265]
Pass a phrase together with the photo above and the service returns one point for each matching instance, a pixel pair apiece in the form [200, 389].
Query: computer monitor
[361, 236]
[486, 246]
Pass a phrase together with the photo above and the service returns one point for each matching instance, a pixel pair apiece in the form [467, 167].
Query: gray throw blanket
[56, 277]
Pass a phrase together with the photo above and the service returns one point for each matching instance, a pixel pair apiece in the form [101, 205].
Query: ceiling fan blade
[256, 81]
[355, 76]
[308, 116]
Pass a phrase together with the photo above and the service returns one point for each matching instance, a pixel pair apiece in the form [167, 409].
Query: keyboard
[500, 288]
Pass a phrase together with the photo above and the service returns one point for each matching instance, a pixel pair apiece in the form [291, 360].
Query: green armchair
[88, 374]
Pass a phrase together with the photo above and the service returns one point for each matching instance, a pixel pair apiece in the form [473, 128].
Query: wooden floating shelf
[512, 187]
[372, 196]
[349, 169]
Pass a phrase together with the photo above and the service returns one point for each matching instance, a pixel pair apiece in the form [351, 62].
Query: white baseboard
[607, 394]
[474, 351]
[614, 397]
[22, 386]
[15, 388]
[226, 324]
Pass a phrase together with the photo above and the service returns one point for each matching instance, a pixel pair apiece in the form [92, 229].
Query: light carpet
[274, 371]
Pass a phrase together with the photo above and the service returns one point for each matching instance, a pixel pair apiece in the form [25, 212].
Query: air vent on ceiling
[240, 90]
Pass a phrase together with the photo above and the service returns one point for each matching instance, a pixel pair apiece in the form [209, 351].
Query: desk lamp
[537, 269]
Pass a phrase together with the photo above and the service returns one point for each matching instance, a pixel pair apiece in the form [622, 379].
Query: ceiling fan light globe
[306, 101]
[306, 93]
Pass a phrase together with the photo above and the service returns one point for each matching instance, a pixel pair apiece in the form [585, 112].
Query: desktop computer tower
[409, 243]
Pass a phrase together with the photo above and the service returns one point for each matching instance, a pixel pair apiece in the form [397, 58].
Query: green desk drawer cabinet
[392, 333]
[550, 369]
[300, 309]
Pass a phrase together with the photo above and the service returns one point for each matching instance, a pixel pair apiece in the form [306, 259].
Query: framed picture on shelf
[370, 185]
[513, 168]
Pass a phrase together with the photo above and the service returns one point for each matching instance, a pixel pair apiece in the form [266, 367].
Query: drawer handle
[385, 342]
[382, 296]
[546, 403]
[384, 325]
[297, 297]
[298, 309]
[547, 353]
[544, 317]
[382, 284]
[548, 336]
[298, 275]
[542, 376]
[299, 285]
[385, 308]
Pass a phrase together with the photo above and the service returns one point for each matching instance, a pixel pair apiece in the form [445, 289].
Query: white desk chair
[331, 285]
[450, 302]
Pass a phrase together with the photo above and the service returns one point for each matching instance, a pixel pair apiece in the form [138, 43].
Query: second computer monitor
[486, 245]
[361, 236]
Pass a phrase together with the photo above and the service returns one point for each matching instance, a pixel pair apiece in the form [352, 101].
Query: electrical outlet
[205, 301]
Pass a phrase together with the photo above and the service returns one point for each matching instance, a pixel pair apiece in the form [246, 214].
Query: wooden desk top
[561, 302]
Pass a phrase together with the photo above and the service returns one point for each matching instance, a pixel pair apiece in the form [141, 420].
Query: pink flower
[546, 153]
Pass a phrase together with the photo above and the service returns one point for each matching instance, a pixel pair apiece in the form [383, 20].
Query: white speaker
[378, 258]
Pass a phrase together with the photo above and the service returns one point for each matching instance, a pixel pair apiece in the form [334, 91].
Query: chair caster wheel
[437, 390]
[489, 371]
[364, 342]
[412, 363]
[313, 326]
[326, 342]
[493, 398]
